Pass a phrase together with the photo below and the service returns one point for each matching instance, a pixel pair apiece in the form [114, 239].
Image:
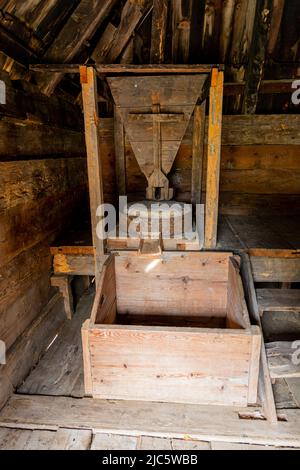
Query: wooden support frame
[64, 285]
[198, 152]
[88, 78]
[119, 135]
[214, 158]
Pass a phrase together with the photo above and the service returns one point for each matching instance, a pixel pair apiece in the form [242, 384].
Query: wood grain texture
[213, 159]
[148, 368]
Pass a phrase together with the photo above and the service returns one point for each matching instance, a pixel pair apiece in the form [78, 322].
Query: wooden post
[198, 152]
[119, 133]
[90, 104]
[159, 31]
[214, 158]
[64, 285]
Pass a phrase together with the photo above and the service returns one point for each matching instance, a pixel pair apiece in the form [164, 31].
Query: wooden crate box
[172, 329]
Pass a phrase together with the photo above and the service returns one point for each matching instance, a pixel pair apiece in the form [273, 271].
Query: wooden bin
[172, 329]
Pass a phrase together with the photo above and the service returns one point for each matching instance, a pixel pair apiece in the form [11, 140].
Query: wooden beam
[80, 27]
[114, 40]
[256, 63]
[120, 152]
[181, 30]
[90, 105]
[159, 31]
[198, 152]
[214, 158]
[107, 69]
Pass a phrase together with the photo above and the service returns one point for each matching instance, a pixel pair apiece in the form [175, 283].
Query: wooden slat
[214, 159]
[275, 269]
[284, 359]
[204, 423]
[278, 300]
[95, 170]
[80, 27]
[198, 152]
[126, 68]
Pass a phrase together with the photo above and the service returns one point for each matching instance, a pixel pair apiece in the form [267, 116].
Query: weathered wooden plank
[283, 359]
[23, 138]
[148, 368]
[205, 423]
[31, 344]
[198, 153]
[51, 377]
[80, 27]
[181, 21]
[275, 269]
[214, 158]
[264, 385]
[159, 31]
[257, 55]
[95, 171]
[278, 300]
[120, 152]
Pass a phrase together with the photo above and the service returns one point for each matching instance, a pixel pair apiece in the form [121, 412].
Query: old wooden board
[283, 359]
[278, 300]
[50, 377]
[204, 423]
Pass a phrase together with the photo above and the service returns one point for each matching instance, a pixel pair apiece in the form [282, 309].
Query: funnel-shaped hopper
[156, 111]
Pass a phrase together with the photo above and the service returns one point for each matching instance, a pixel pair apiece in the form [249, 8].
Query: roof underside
[257, 40]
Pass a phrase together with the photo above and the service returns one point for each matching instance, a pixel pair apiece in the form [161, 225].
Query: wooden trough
[173, 328]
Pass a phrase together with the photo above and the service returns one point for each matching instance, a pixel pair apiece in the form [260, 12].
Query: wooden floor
[50, 411]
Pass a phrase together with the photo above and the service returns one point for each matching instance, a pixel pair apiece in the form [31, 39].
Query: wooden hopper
[156, 111]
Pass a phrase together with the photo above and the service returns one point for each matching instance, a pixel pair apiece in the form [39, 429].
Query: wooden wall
[260, 167]
[43, 184]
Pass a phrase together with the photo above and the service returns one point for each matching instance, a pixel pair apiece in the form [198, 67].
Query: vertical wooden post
[90, 104]
[119, 134]
[159, 31]
[214, 158]
[198, 152]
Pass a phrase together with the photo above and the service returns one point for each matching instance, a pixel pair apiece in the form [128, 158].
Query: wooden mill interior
[150, 342]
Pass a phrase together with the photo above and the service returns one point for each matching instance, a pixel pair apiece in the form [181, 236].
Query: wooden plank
[23, 138]
[237, 312]
[181, 25]
[104, 308]
[159, 31]
[227, 446]
[114, 442]
[146, 366]
[51, 376]
[198, 152]
[29, 347]
[196, 286]
[80, 27]
[126, 68]
[64, 285]
[120, 152]
[257, 55]
[278, 300]
[95, 172]
[131, 15]
[77, 265]
[214, 159]
[283, 359]
[265, 385]
[166, 420]
[275, 269]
